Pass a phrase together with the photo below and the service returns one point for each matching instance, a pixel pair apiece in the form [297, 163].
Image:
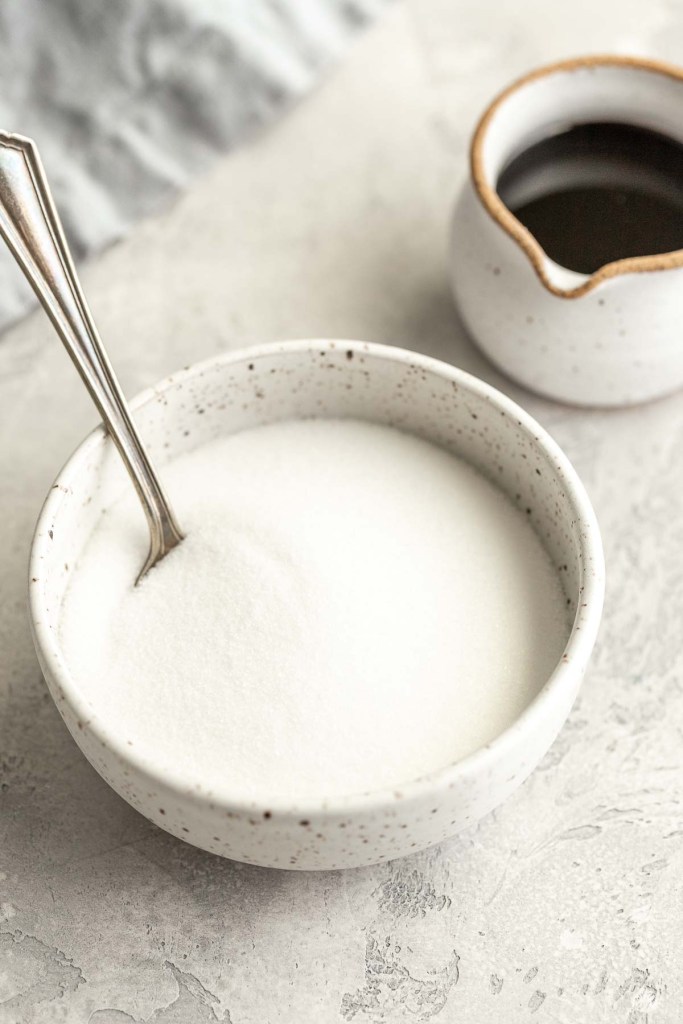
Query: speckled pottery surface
[327, 378]
[607, 338]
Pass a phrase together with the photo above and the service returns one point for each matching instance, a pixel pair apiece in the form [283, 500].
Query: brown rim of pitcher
[514, 228]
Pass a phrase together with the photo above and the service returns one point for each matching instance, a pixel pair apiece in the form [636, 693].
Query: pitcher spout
[561, 281]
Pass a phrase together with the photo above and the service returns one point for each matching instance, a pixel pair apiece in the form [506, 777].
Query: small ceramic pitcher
[613, 337]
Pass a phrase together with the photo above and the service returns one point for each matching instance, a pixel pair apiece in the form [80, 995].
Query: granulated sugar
[352, 607]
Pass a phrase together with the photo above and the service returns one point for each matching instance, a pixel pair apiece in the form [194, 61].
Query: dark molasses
[598, 192]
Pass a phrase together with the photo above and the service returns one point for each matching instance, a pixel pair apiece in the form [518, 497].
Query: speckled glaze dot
[328, 379]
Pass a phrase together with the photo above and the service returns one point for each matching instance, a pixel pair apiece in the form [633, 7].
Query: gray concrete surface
[565, 906]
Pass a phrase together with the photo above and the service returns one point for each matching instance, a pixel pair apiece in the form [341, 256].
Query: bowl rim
[216, 792]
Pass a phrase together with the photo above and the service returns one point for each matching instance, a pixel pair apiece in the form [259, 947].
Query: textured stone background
[564, 906]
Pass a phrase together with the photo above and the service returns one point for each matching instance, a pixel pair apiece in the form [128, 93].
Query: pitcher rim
[513, 227]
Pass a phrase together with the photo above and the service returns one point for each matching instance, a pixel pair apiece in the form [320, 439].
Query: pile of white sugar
[352, 607]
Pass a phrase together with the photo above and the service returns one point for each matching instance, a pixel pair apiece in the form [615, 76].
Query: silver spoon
[30, 225]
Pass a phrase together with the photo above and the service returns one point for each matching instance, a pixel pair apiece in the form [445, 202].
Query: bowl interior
[318, 379]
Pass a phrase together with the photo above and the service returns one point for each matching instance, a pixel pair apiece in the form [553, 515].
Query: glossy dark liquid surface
[597, 193]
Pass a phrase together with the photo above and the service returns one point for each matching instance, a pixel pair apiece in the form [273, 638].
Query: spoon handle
[30, 225]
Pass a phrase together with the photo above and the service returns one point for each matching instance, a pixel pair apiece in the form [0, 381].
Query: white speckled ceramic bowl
[321, 378]
[607, 338]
